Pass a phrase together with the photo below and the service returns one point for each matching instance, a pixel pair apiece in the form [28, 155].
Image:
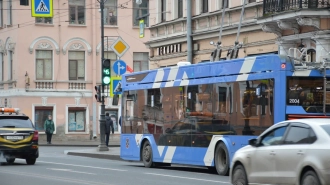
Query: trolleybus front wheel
[221, 159]
[147, 155]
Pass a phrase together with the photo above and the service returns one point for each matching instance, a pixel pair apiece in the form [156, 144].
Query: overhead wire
[31, 23]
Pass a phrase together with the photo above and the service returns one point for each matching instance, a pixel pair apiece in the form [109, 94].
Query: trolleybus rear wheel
[147, 155]
[221, 159]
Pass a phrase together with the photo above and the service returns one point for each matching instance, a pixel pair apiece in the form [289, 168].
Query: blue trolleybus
[201, 114]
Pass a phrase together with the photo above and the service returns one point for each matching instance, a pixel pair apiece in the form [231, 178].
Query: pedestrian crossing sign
[42, 8]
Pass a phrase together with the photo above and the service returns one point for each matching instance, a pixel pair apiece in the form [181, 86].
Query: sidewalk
[91, 143]
[113, 153]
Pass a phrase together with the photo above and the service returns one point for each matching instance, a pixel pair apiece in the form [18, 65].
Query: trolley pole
[102, 146]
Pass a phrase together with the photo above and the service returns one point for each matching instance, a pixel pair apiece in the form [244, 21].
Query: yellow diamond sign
[120, 47]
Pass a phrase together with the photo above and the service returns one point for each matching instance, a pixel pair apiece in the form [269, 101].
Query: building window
[205, 6]
[10, 65]
[1, 13]
[77, 119]
[140, 10]
[24, 2]
[44, 20]
[40, 116]
[163, 11]
[76, 65]
[180, 8]
[2, 67]
[110, 12]
[312, 54]
[44, 65]
[113, 57]
[77, 11]
[223, 3]
[140, 61]
[10, 12]
[252, 1]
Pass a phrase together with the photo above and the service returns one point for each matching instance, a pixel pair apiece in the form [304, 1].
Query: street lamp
[102, 146]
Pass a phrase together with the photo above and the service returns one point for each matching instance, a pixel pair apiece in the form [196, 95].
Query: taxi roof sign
[9, 110]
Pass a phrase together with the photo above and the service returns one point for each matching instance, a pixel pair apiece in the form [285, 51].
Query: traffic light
[98, 96]
[106, 73]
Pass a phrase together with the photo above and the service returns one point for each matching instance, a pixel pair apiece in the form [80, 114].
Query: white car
[293, 152]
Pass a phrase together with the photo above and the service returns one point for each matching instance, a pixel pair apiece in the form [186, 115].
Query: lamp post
[102, 146]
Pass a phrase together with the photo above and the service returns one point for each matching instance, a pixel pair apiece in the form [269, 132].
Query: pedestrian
[49, 129]
[108, 127]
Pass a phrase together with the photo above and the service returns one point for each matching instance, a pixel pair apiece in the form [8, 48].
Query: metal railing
[277, 6]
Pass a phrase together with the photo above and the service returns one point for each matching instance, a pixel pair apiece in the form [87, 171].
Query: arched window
[312, 54]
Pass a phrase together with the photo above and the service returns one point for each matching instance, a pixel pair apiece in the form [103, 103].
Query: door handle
[272, 153]
[300, 153]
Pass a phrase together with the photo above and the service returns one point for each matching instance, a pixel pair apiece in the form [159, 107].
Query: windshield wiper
[9, 126]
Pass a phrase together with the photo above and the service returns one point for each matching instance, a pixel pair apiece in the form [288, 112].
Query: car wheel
[221, 159]
[310, 178]
[30, 161]
[10, 160]
[239, 176]
[147, 155]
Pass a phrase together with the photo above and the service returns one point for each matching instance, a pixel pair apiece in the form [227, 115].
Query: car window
[273, 137]
[15, 122]
[326, 128]
[312, 136]
[298, 135]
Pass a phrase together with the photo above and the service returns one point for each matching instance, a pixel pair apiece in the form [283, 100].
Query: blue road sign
[119, 67]
[42, 8]
[115, 86]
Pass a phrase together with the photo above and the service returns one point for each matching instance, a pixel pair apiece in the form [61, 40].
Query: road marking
[69, 170]
[76, 165]
[186, 178]
[32, 175]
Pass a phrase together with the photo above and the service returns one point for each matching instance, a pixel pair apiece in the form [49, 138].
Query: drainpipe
[189, 32]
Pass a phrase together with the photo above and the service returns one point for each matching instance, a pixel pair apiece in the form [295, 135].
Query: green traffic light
[106, 71]
[106, 80]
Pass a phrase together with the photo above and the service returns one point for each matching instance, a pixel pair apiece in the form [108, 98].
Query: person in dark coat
[108, 128]
[49, 128]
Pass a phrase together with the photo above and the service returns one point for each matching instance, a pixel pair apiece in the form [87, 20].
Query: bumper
[23, 151]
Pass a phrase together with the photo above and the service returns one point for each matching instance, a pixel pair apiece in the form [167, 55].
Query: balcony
[271, 7]
[50, 85]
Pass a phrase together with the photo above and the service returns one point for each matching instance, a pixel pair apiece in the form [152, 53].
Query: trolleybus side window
[308, 93]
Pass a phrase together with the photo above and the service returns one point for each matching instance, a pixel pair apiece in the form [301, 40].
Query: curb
[98, 156]
[77, 145]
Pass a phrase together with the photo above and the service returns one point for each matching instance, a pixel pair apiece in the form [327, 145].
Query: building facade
[51, 65]
[302, 28]
[168, 28]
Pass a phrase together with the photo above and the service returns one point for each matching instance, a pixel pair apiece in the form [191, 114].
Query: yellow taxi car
[18, 137]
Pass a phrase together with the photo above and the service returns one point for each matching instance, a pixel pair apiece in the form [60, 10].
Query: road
[53, 167]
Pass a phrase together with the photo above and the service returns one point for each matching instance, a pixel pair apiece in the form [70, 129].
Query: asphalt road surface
[53, 167]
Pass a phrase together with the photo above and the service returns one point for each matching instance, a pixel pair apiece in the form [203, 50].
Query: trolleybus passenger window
[308, 93]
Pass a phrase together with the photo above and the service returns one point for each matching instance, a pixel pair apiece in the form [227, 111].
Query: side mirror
[253, 142]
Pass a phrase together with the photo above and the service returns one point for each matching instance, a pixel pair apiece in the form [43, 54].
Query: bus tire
[221, 159]
[147, 155]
